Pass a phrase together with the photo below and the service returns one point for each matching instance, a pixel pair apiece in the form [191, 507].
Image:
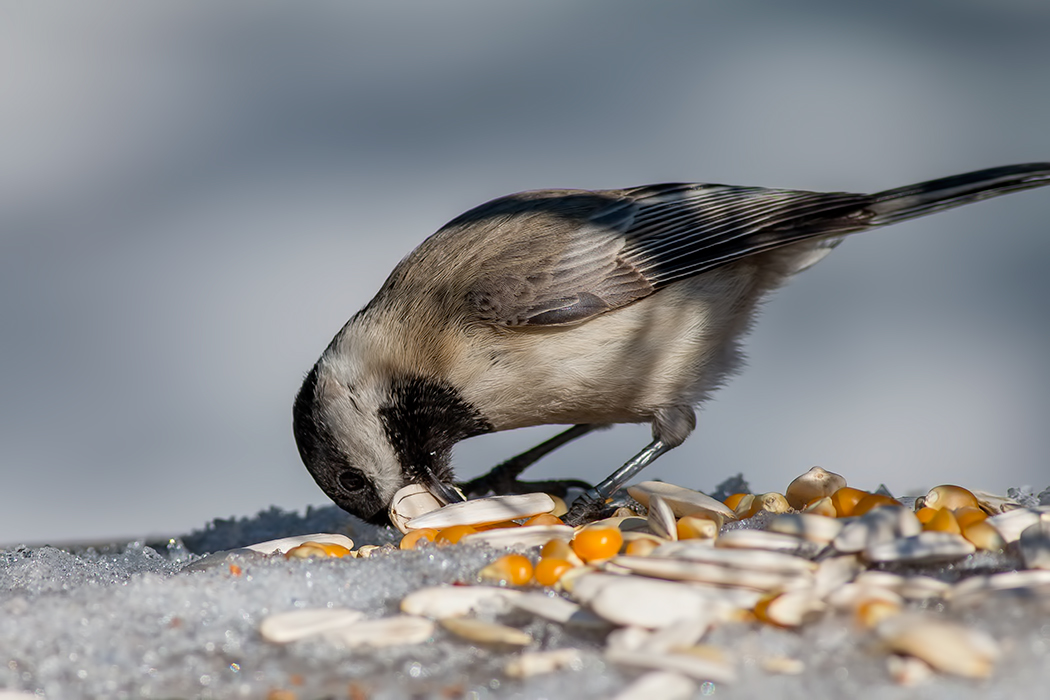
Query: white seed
[757, 560]
[534, 663]
[925, 548]
[702, 668]
[976, 589]
[908, 671]
[991, 503]
[439, 602]
[661, 519]
[852, 596]
[649, 603]
[485, 632]
[659, 684]
[880, 525]
[1012, 523]
[923, 588]
[1035, 545]
[946, 646]
[286, 543]
[367, 550]
[628, 638]
[836, 572]
[683, 501]
[794, 608]
[285, 627]
[527, 536]
[678, 635]
[624, 523]
[718, 574]
[814, 484]
[410, 502]
[759, 539]
[809, 526]
[783, 665]
[385, 632]
[485, 510]
[553, 608]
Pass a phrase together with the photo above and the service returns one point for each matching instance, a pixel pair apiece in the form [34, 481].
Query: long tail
[928, 197]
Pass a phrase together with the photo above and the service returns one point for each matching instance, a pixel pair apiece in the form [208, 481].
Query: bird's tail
[912, 201]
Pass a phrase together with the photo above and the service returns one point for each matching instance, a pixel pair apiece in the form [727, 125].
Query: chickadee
[575, 307]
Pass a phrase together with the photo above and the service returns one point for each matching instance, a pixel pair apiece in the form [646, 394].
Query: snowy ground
[125, 621]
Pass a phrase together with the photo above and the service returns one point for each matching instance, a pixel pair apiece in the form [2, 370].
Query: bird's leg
[671, 426]
[591, 503]
[503, 478]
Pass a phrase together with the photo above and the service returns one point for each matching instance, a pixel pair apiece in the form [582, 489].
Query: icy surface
[127, 621]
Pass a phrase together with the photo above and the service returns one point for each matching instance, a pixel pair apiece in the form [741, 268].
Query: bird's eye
[352, 480]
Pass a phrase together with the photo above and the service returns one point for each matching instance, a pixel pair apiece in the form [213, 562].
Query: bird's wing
[574, 255]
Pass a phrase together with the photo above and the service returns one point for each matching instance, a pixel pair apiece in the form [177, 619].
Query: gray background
[195, 196]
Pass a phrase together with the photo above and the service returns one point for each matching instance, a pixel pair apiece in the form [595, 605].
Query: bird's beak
[446, 493]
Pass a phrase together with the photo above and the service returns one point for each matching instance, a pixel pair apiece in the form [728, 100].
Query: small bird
[575, 307]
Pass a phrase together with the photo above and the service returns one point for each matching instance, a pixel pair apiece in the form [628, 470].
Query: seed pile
[658, 582]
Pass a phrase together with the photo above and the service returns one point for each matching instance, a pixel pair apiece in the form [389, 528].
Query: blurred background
[194, 197]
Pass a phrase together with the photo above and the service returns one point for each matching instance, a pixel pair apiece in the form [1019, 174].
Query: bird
[585, 308]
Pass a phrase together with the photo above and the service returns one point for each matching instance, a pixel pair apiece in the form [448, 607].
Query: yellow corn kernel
[641, 547]
[550, 569]
[872, 501]
[543, 519]
[734, 500]
[316, 549]
[693, 528]
[925, 514]
[743, 508]
[845, 500]
[949, 496]
[514, 569]
[413, 538]
[943, 521]
[983, 535]
[874, 610]
[453, 534]
[560, 508]
[822, 506]
[597, 543]
[502, 524]
[967, 515]
[773, 502]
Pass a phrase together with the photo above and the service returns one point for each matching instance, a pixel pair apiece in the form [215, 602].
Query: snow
[130, 620]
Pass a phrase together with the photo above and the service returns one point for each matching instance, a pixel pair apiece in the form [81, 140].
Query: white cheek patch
[351, 412]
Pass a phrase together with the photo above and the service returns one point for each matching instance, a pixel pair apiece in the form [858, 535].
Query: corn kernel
[560, 508]
[550, 569]
[943, 521]
[316, 549]
[453, 534]
[845, 499]
[597, 543]
[872, 501]
[413, 538]
[773, 502]
[949, 496]
[967, 515]
[641, 547]
[502, 524]
[925, 514]
[693, 528]
[514, 569]
[874, 610]
[822, 506]
[543, 519]
[734, 500]
[983, 535]
[743, 508]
